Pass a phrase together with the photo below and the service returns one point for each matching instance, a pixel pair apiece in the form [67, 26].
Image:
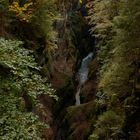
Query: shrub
[20, 86]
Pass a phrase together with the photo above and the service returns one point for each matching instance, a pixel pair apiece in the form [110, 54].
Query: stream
[83, 75]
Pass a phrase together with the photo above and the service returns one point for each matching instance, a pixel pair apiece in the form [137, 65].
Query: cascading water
[83, 75]
[77, 95]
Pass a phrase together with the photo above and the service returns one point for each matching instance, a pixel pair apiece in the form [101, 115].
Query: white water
[77, 96]
[83, 71]
[83, 75]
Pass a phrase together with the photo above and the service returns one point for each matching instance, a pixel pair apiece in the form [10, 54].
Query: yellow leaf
[80, 1]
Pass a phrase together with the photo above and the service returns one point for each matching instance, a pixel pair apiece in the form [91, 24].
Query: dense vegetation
[21, 82]
[43, 43]
[117, 29]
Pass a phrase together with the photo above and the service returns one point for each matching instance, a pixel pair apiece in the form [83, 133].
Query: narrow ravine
[76, 46]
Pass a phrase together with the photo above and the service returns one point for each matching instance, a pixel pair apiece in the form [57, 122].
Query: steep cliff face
[63, 63]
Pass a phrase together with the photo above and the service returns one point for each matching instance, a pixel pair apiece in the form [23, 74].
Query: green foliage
[3, 5]
[117, 31]
[34, 21]
[100, 17]
[22, 65]
[15, 123]
[19, 77]
[101, 14]
[108, 127]
[43, 19]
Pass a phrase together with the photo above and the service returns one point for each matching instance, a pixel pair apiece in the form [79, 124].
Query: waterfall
[83, 71]
[83, 75]
[77, 96]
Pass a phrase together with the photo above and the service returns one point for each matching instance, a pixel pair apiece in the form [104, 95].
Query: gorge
[69, 70]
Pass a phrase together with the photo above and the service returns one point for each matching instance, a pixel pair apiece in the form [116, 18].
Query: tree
[117, 31]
